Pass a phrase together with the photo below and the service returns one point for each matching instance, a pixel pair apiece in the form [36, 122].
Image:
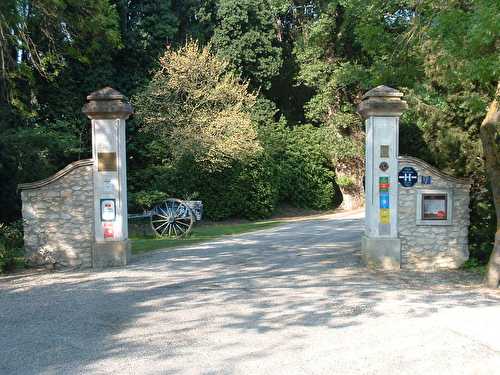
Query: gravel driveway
[293, 299]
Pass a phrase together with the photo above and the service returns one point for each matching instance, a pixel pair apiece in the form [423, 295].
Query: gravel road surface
[294, 299]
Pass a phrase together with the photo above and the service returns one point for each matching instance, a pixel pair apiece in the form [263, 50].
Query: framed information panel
[434, 207]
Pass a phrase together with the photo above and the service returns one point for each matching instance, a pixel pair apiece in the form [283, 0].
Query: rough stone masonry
[427, 247]
[58, 217]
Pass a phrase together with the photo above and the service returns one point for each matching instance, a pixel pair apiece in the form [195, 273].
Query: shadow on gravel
[305, 274]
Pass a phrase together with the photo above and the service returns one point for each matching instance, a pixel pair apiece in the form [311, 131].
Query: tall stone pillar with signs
[381, 108]
[108, 109]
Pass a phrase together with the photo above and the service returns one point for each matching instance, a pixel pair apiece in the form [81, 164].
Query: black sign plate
[408, 176]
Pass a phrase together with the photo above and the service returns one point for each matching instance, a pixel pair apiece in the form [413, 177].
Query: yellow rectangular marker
[385, 216]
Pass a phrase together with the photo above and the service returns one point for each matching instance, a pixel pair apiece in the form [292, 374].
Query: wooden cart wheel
[172, 218]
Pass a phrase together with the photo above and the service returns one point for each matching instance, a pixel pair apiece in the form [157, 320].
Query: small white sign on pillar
[108, 109]
[381, 108]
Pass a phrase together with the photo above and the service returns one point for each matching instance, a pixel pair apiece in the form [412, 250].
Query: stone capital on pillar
[107, 103]
[382, 101]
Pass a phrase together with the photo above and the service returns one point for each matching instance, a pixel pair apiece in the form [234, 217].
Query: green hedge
[306, 175]
[293, 168]
[11, 245]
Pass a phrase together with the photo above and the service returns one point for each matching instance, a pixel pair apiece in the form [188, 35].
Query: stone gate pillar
[381, 108]
[108, 109]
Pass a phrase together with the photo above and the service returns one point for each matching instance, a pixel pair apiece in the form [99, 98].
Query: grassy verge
[17, 265]
[473, 265]
[198, 234]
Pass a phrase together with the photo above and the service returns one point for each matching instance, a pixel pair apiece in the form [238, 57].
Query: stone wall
[432, 247]
[58, 217]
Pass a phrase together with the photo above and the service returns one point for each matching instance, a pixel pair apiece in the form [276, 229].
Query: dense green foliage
[196, 108]
[207, 142]
[296, 70]
[303, 169]
[11, 243]
[442, 54]
[244, 35]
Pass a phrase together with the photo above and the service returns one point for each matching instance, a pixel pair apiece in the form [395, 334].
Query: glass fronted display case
[434, 207]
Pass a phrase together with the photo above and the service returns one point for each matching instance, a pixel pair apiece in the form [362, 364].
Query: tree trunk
[490, 138]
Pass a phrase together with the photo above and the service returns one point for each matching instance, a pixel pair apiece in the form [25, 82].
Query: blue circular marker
[407, 176]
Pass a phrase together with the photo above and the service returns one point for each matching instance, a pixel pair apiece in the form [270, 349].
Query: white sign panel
[108, 210]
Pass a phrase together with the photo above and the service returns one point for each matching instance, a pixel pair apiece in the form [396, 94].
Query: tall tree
[52, 52]
[346, 50]
[198, 109]
[460, 44]
[245, 35]
[490, 136]
[40, 38]
[147, 28]
[197, 115]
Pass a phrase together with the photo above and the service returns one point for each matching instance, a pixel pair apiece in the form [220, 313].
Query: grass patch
[18, 264]
[473, 265]
[199, 234]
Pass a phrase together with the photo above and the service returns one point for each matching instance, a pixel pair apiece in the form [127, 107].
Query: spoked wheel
[172, 218]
